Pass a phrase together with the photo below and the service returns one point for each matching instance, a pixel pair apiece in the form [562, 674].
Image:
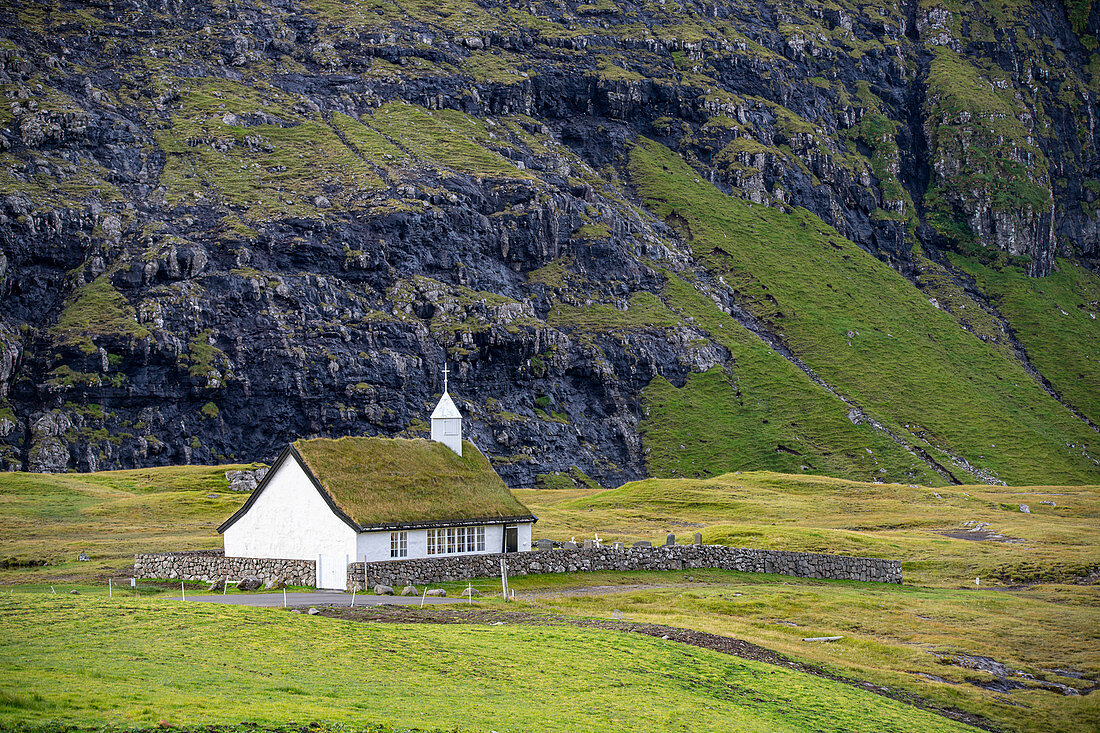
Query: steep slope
[227, 225]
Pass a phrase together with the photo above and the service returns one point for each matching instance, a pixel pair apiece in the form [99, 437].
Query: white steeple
[447, 420]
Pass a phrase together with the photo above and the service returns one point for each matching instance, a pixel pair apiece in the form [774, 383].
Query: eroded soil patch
[1006, 679]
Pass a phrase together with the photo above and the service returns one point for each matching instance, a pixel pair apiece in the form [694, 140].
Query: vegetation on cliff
[623, 225]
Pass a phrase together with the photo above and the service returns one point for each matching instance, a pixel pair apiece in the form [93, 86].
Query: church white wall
[291, 520]
[375, 546]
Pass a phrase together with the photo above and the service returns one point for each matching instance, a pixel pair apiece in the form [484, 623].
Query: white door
[332, 572]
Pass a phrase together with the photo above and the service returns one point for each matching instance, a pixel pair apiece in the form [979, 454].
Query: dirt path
[714, 642]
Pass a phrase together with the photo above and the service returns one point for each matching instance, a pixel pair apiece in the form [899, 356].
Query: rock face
[224, 228]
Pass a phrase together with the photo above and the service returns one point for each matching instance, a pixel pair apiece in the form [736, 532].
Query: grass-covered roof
[393, 481]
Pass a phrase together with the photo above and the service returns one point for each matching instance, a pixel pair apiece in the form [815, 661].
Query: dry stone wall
[396, 573]
[211, 565]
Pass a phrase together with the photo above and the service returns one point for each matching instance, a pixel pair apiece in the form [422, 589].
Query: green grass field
[1030, 612]
[137, 662]
[202, 664]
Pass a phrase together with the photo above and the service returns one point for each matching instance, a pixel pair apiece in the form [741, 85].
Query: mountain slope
[628, 227]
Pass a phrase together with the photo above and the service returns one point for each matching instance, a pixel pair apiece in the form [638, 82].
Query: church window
[455, 540]
[399, 544]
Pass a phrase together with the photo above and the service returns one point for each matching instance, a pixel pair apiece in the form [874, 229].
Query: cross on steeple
[446, 371]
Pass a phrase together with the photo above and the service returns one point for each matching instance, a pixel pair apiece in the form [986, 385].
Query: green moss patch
[97, 309]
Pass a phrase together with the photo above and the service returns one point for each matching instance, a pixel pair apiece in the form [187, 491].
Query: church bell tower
[447, 420]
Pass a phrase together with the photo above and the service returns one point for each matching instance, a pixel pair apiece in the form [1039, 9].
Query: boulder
[312, 611]
[383, 590]
[437, 593]
[470, 592]
[249, 584]
[245, 481]
[409, 590]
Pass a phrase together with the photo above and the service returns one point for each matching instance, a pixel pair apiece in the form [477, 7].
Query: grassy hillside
[871, 333]
[759, 411]
[207, 664]
[110, 515]
[1057, 319]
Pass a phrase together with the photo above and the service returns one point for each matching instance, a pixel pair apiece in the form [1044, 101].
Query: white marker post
[110, 589]
[284, 597]
[353, 589]
[469, 594]
[52, 590]
[225, 585]
[425, 596]
[183, 591]
[504, 578]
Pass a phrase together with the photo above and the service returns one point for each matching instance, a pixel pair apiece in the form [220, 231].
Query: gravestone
[545, 545]
[618, 545]
[643, 543]
[569, 545]
[589, 544]
[670, 540]
[698, 538]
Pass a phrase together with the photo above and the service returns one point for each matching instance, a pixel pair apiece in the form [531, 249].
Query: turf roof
[393, 481]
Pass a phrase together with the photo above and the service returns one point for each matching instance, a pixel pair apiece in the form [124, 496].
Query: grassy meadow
[1033, 608]
[110, 515]
[1033, 611]
[139, 662]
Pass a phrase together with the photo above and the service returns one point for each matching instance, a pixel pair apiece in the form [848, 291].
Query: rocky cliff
[666, 238]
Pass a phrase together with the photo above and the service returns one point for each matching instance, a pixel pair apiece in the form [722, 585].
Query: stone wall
[210, 565]
[397, 573]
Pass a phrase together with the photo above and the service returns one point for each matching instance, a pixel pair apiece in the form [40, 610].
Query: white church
[337, 501]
